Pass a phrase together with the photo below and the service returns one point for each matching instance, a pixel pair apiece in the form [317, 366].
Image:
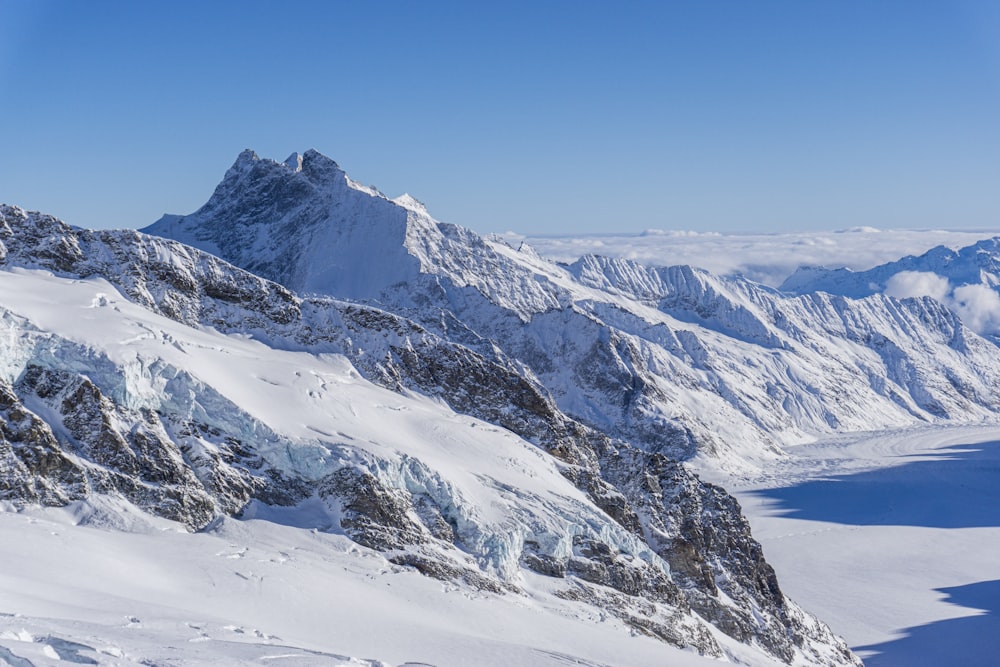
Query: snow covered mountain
[966, 280]
[768, 258]
[303, 351]
[978, 263]
[140, 372]
[675, 360]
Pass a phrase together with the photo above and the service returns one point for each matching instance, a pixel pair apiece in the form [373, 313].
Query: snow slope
[258, 592]
[323, 412]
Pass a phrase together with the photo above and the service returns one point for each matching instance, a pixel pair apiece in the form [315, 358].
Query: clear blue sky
[537, 117]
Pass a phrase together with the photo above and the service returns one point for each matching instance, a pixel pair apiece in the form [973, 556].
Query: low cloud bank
[771, 258]
[978, 306]
[766, 258]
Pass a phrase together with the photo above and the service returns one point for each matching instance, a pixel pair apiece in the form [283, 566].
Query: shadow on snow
[957, 487]
[971, 641]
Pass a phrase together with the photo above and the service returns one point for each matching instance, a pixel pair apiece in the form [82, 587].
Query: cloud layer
[906, 284]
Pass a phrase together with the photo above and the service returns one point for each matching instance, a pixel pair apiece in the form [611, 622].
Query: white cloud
[907, 284]
[978, 306]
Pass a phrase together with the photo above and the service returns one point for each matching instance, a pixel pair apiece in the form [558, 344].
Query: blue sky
[536, 117]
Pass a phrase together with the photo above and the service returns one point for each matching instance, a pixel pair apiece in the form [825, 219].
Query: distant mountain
[675, 360]
[967, 281]
[768, 258]
[977, 264]
[159, 376]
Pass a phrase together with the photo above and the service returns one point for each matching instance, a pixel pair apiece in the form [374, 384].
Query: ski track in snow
[891, 538]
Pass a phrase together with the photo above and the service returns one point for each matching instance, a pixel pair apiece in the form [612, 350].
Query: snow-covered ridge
[768, 258]
[966, 280]
[978, 263]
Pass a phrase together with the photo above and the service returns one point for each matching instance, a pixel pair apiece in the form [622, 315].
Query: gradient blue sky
[537, 117]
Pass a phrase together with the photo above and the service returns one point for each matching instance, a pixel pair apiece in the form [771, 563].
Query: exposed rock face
[36, 470]
[127, 452]
[374, 515]
[691, 525]
[90, 444]
[665, 544]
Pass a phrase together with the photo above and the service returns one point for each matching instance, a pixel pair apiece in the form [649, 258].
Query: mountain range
[673, 359]
[305, 350]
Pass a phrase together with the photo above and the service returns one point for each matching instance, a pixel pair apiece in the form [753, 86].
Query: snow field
[258, 592]
[892, 539]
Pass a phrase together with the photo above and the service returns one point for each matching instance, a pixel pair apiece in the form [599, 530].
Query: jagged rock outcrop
[35, 468]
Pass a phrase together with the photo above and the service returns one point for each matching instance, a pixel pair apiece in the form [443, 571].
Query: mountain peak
[245, 162]
[294, 161]
[316, 165]
[302, 222]
[246, 157]
[410, 202]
